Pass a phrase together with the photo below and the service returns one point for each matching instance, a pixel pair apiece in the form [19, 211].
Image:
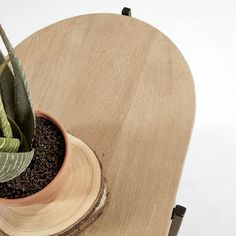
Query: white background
[205, 32]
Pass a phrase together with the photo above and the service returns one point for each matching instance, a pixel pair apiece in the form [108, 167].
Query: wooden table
[125, 89]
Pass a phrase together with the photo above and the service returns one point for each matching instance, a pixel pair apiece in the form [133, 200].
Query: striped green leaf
[9, 144]
[7, 89]
[13, 164]
[4, 123]
[24, 115]
[16, 131]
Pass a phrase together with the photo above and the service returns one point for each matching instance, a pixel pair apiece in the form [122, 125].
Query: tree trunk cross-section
[81, 201]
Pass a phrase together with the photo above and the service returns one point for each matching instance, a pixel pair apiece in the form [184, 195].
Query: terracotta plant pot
[50, 192]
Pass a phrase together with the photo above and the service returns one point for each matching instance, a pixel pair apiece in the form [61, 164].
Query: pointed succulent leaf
[13, 164]
[9, 144]
[4, 123]
[18, 134]
[4, 65]
[16, 130]
[7, 89]
[24, 115]
[24, 144]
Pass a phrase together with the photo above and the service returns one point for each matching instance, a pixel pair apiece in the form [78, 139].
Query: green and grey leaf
[16, 130]
[3, 65]
[24, 115]
[4, 123]
[9, 144]
[7, 89]
[13, 164]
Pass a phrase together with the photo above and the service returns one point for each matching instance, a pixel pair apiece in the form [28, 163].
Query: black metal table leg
[177, 218]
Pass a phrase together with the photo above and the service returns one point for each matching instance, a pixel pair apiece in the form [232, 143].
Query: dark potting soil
[49, 153]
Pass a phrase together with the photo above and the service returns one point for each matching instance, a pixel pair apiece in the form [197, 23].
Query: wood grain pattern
[82, 199]
[124, 88]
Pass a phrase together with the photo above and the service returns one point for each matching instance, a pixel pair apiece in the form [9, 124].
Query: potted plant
[34, 149]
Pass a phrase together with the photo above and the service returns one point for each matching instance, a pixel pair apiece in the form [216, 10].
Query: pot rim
[30, 198]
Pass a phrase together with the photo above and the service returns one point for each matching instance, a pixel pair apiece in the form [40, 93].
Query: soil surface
[49, 153]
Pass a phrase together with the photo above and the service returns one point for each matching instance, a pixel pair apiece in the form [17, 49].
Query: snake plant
[17, 119]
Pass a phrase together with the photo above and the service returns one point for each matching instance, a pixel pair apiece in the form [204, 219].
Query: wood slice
[81, 201]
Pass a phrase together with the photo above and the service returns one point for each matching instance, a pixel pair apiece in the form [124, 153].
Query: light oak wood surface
[124, 88]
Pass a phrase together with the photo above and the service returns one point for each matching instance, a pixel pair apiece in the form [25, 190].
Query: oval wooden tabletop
[125, 89]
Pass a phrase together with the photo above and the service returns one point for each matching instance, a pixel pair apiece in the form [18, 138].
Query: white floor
[205, 32]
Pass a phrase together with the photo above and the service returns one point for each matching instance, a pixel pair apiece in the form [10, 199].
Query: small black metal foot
[126, 11]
